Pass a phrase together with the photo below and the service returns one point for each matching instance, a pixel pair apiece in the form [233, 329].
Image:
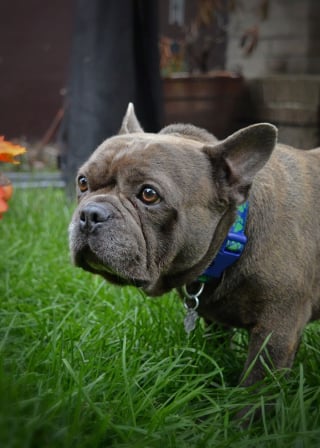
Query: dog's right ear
[130, 123]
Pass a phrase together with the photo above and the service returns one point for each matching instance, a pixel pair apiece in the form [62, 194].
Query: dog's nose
[92, 216]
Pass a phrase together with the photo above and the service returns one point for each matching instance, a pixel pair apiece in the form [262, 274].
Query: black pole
[114, 60]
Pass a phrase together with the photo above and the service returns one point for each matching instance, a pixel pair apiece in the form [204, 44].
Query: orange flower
[8, 151]
[3, 204]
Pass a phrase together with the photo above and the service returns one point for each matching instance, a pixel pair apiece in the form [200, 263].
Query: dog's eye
[83, 183]
[149, 196]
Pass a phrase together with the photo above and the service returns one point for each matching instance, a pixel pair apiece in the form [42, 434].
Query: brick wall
[283, 72]
[289, 38]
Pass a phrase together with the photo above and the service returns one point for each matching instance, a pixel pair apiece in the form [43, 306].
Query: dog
[154, 211]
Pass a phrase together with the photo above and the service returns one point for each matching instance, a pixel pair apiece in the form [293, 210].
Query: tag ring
[192, 297]
[187, 306]
[187, 295]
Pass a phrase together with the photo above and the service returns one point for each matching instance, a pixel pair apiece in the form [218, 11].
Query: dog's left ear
[130, 123]
[237, 159]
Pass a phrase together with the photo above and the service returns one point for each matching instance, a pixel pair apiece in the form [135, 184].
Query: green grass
[86, 364]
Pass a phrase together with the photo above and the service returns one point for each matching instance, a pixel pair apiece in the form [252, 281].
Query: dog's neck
[227, 231]
[230, 251]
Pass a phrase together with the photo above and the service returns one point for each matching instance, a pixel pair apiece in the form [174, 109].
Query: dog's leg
[275, 339]
[269, 348]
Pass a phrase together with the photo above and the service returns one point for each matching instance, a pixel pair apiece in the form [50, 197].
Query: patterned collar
[231, 249]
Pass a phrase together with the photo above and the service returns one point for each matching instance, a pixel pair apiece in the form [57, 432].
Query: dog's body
[155, 209]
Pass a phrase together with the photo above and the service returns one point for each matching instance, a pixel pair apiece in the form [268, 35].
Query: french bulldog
[154, 209]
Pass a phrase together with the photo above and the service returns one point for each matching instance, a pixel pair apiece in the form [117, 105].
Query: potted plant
[193, 91]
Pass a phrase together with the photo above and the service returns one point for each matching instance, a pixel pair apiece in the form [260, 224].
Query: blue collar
[231, 249]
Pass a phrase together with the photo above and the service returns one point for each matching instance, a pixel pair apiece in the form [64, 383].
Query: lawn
[86, 364]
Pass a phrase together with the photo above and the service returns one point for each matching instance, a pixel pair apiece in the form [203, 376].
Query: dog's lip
[101, 268]
[93, 264]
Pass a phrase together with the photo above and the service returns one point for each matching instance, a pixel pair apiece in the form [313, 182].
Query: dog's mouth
[89, 262]
[101, 268]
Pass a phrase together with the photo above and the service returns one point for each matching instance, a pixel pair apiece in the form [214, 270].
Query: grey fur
[273, 291]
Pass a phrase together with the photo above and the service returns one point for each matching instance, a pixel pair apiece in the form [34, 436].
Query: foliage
[86, 364]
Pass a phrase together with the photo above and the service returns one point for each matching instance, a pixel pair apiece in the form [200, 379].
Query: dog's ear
[237, 159]
[130, 123]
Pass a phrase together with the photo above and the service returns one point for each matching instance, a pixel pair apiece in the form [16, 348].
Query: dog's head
[154, 208]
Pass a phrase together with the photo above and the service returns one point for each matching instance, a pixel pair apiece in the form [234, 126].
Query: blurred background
[68, 69]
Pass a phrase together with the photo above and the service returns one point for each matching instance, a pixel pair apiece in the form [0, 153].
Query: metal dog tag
[191, 303]
[190, 320]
